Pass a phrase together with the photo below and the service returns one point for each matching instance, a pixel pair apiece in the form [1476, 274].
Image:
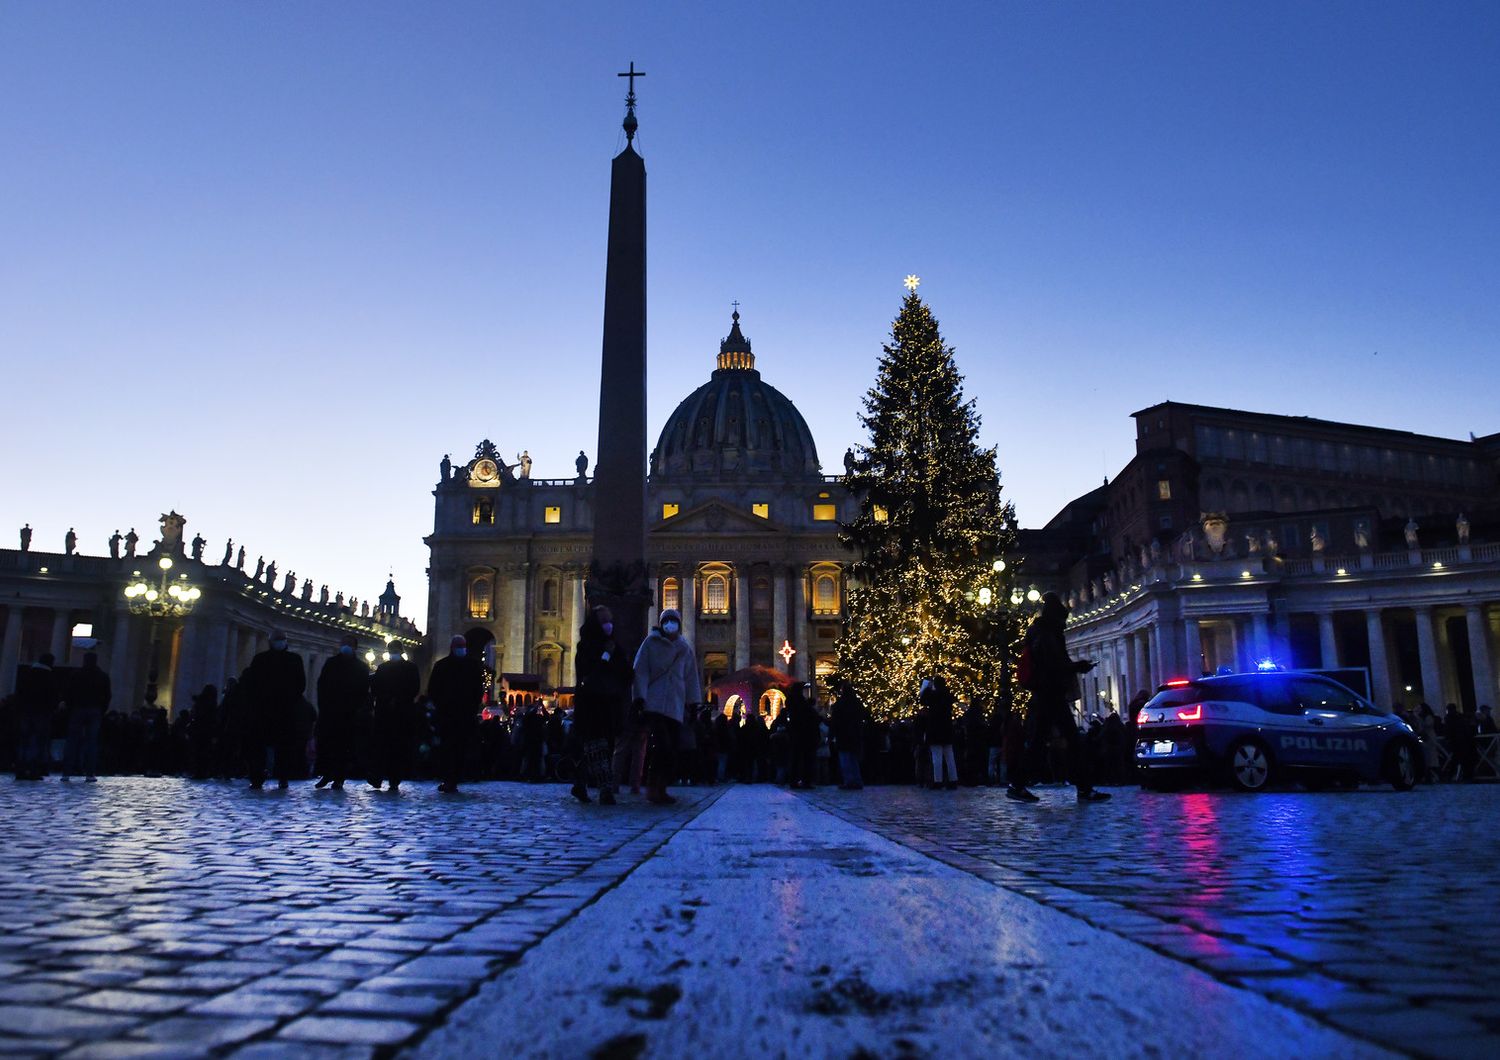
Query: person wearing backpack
[1051, 676]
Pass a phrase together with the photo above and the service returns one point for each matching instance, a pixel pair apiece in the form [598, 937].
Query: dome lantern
[734, 351]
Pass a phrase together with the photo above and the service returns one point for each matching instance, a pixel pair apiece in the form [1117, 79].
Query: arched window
[716, 594]
[484, 513]
[549, 596]
[824, 579]
[825, 595]
[481, 596]
[671, 594]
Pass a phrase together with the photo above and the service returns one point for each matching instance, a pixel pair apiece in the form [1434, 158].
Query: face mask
[669, 627]
[278, 645]
[609, 627]
[459, 653]
[344, 649]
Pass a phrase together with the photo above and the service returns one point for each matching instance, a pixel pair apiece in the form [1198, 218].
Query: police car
[1256, 728]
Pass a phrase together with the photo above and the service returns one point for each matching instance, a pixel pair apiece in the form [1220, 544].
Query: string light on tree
[928, 586]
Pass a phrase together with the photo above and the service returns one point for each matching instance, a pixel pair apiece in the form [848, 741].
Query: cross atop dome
[734, 351]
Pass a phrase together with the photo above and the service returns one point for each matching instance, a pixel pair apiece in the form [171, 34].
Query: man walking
[275, 682]
[456, 689]
[88, 698]
[666, 680]
[1053, 683]
[343, 702]
[395, 686]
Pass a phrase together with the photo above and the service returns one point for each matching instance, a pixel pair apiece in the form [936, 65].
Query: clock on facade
[485, 470]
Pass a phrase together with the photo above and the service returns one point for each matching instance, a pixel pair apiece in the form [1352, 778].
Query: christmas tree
[928, 591]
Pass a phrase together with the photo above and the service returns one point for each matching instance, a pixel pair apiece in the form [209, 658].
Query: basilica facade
[742, 538]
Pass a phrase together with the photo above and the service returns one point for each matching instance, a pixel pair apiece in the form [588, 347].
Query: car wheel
[1250, 766]
[1403, 764]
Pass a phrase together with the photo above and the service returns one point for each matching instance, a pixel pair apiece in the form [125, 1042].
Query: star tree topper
[912, 282]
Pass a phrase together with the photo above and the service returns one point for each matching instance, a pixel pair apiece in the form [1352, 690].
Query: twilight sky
[266, 262]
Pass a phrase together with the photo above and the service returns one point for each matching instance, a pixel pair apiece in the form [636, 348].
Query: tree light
[999, 565]
[1033, 595]
[984, 597]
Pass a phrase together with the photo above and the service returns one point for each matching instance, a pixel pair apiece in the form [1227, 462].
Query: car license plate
[1163, 747]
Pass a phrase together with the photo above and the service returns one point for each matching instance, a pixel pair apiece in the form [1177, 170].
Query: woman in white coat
[666, 680]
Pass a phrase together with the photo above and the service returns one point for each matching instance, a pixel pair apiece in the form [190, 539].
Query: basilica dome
[735, 426]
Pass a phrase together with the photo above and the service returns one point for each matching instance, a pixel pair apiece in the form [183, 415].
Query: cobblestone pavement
[147, 917]
[1372, 910]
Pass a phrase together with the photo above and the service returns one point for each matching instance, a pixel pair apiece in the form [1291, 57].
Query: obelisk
[617, 575]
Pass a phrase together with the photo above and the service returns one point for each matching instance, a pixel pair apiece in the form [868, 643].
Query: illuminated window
[669, 510]
[481, 597]
[825, 595]
[762, 509]
[1163, 490]
[671, 595]
[881, 515]
[716, 594]
[484, 513]
[825, 513]
[552, 514]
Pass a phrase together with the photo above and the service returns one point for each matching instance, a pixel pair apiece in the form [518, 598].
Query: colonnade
[1158, 649]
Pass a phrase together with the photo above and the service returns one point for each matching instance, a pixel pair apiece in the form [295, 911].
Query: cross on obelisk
[630, 122]
[632, 73]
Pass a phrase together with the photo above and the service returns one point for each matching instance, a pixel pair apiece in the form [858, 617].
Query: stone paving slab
[1372, 910]
[767, 927]
[161, 917]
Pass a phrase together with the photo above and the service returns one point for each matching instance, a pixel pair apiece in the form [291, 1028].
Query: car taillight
[1193, 713]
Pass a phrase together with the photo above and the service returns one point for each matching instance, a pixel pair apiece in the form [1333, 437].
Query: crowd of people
[636, 722]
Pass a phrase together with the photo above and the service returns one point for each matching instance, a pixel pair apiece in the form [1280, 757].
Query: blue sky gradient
[266, 262]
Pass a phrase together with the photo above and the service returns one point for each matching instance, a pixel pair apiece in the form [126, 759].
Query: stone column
[1427, 654]
[580, 575]
[230, 659]
[1380, 667]
[1138, 670]
[1164, 641]
[10, 649]
[1479, 655]
[1192, 659]
[452, 595]
[580, 605]
[690, 605]
[119, 652]
[61, 643]
[1328, 640]
[804, 660]
[515, 620]
[778, 614]
[1261, 634]
[741, 619]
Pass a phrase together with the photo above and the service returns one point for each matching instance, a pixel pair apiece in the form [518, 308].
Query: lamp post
[169, 600]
